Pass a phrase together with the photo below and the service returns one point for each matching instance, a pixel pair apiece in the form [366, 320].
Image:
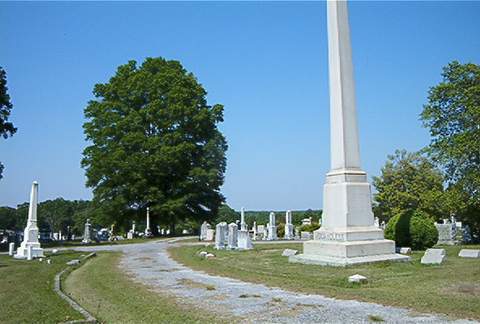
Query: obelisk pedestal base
[344, 253]
[22, 251]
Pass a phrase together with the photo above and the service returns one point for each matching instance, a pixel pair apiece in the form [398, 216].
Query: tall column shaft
[32, 208]
[344, 147]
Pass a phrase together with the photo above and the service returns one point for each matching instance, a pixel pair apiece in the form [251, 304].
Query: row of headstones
[437, 256]
[263, 232]
[231, 238]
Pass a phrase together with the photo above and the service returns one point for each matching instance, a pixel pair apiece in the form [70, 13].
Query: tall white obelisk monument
[348, 235]
[30, 236]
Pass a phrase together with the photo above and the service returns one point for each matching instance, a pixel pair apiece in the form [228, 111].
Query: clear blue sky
[266, 62]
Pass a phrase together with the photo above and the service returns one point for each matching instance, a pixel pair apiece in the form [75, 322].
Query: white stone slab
[469, 253]
[434, 256]
[11, 248]
[210, 235]
[356, 278]
[289, 252]
[244, 241]
[405, 250]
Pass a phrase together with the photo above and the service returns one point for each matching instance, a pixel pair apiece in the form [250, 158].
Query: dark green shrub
[416, 230]
[309, 228]
[281, 230]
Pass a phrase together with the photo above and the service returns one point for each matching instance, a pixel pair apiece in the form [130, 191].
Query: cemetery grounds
[112, 295]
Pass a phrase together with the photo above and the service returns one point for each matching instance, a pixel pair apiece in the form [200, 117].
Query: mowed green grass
[26, 290]
[452, 288]
[112, 297]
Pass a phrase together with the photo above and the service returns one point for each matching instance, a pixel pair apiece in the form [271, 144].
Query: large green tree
[6, 128]
[408, 182]
[154, 142]
[452, 114]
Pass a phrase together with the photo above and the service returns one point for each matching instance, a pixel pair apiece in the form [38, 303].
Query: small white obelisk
[243, 225]
[30, 238]
[348, 234]
[148, 231]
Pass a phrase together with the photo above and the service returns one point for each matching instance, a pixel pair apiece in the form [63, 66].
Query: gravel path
[150, 264]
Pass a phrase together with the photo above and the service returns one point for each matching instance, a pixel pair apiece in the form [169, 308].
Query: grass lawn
[26, 290]
[452, 288]
[112, 297]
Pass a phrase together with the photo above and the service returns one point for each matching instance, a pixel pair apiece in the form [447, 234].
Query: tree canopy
[452, 114]
[6, 128]
[154, 142]
[408, 182]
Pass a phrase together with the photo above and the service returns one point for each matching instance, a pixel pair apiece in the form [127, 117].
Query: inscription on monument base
[329, 236]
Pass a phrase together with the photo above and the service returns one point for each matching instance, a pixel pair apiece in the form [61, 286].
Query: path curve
[150, 264]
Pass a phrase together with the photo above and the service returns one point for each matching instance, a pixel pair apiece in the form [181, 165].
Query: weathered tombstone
[220, 235]
[306, 235]
[376, 222]
[469, 253]
[466, 234]
[405, 250]
[87, 232]
[30, 242]
[289, 252]
[244, 241]
[203, 231]
[210, 235]
[297, 232]
[446, 234]
[272, 228]
[254, 230]
[131, 232]
[288, 226]
[11, 248]
[232, 236]
[434, 256]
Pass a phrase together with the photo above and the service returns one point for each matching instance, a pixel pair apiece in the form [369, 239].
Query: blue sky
[266, 62]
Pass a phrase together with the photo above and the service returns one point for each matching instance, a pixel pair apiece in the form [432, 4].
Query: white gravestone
[203, 231]
[11, 249]
[210, 235]
[87, 232]
[446, 233]
[289, 252]
[348, 234]
[272, 228]
[243, 225]
[288, 226]
[306, 235]
[260, 232]
[254, 230]
[405, 250]
[434, 256]
[244, 241]
[232, 236]
[30, 235]
[220, 235]
[469, 253]
[265, 232]
[307, 221]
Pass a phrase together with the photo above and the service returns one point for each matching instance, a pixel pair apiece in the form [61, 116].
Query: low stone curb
[58, 289]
